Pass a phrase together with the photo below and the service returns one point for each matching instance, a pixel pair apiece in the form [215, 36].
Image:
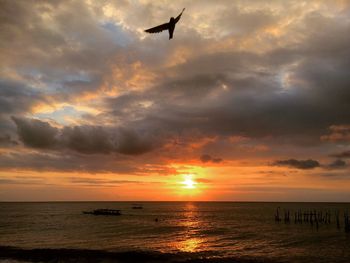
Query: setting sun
[189, 183]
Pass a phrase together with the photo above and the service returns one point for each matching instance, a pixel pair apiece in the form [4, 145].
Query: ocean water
[213, 229]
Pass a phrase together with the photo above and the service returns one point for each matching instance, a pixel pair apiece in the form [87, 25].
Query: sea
[171, 232]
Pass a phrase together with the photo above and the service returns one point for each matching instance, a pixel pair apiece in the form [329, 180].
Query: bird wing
[179, 16]
[158, 29]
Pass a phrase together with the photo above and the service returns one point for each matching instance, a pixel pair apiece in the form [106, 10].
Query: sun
[189, 183]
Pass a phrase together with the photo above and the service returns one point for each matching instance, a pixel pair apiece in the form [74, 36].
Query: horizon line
[167, 201]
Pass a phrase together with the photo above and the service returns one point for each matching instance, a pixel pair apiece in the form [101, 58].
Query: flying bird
[170, 26]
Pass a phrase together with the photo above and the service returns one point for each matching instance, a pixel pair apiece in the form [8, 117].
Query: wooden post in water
[277, 215]
[346, 222]
[286, 216]
[337, 218]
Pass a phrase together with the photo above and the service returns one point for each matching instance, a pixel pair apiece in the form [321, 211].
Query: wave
[87, 256]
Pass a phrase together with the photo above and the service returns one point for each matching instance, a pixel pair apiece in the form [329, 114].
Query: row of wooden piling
[313, 217]
[347, 222]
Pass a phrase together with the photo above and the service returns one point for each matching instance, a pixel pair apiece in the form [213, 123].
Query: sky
[250, 101]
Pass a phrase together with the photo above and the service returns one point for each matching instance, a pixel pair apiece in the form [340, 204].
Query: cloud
[274, 87]
[345, 154]
[205, 158]
[339, 133]
[203, 180]
[83, 139]
[67, 162]
[311, 164]
[73, 162]
[87, 139]
[100, 182]
[251, 70]
[16, 98]
[36, 133]
[23, 180]
[298, 164]
[337, 164]
[131, 143]
[6, 140]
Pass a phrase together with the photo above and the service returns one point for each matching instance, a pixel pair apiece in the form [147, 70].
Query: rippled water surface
[219, 229]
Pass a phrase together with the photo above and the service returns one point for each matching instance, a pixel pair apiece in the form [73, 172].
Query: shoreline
[87, 255]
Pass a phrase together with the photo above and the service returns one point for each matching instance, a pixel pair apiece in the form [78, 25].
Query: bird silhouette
[170, 26]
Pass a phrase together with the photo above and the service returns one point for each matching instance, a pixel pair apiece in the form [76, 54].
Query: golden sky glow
[249, 101]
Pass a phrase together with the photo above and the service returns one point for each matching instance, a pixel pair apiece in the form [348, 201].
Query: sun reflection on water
[190, 245]
[192, 223]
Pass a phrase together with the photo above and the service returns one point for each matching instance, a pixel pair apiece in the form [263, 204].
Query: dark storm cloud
[16, 98]
[36, 133]
[131, 143]
[83, 139]
[311, 164]
[87, 139]
[337, 164]
[205, 158]
[298, 164]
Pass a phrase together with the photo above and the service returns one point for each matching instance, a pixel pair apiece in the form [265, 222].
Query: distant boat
[104, 212]
[137, 206]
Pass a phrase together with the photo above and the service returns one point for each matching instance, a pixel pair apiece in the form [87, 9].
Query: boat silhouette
[104, 212]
